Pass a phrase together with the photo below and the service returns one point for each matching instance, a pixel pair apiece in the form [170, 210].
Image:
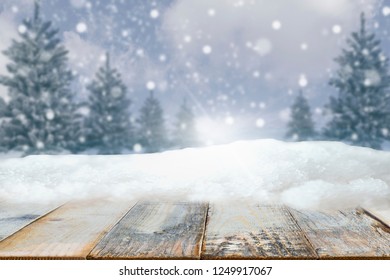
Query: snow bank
[302, 175]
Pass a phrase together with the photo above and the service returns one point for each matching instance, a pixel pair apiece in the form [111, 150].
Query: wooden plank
[242, 231]
[15, 216]
[70, 232]
[380, 214]
[346, 234]
[153, 230]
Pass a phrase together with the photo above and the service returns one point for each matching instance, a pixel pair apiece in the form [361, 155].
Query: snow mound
[302, 175]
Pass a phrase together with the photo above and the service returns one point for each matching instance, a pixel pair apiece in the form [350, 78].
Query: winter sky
[240, 63]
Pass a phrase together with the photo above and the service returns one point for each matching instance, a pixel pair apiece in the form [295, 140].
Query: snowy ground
[308, 174]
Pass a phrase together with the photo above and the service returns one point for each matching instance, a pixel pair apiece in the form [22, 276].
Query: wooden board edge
[377, 217]
[34, 220]
[201, 245]
[89, 255]
[310, 245]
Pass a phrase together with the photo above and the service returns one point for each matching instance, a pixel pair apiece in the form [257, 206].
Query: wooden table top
[117, 229]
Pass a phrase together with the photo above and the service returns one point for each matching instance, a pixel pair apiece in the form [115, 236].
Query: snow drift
[302, 175]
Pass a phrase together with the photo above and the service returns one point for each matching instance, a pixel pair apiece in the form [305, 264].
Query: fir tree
[152, 133]
[301, 126]
[41, 113]
[185, 130]
[360, 112]
[108, 125]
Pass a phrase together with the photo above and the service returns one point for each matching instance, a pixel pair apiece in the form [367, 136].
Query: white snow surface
[301, 175]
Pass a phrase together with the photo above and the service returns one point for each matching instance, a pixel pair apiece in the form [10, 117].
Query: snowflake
[260, 123]
[50, 114]
[386, 11]
[336, 29]
[154, 13]
[150, 85]
[263, 46]
[303, 82]
[276, 25]
[22, 29]
[40, 145]
[137, 148]
[207, 49]
[304, 46]
[81, 27]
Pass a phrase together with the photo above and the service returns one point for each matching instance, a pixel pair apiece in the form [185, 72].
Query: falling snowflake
[40, 145]
[304, 46]
[50, 115]
[260, 123]
[154, 13]
[336, 29]
[276, 25]
[263, 46]
[22, 29]
[137, 148]
[386, 11]
[187, 38]
[81, 27]
[151, 85]
[207, 49]
[303, 82]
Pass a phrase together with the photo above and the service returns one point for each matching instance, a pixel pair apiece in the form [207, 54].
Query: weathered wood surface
[241, 231]
[70, 232]
[380, 214]
[345, 234]
[156, 231]
[15, 216]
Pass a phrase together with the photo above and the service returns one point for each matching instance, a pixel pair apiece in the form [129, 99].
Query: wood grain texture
[344, 234]
[15, 216]
[153, 230]
[380, 214]
[240, 231]
[70, 232]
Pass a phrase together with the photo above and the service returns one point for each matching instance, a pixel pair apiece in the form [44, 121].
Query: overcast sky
[240, 63]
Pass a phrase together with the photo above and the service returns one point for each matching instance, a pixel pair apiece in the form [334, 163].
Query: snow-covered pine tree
[41, 114]
[152, 134]
[360, 112]
[108, 126]
[301, 125]
[185, 131]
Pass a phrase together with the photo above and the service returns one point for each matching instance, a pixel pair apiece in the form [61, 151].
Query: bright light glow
[212, 132]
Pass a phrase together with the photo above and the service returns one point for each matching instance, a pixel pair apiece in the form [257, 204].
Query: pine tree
[360, 112]
[41, 113]
[301, 126]
[152, 135]
[185, 130]
[108, 125]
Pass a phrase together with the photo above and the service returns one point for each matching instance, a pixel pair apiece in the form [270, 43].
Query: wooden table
[112, 229]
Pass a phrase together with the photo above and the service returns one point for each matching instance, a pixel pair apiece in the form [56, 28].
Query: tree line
[360, 113]
[42, 115]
